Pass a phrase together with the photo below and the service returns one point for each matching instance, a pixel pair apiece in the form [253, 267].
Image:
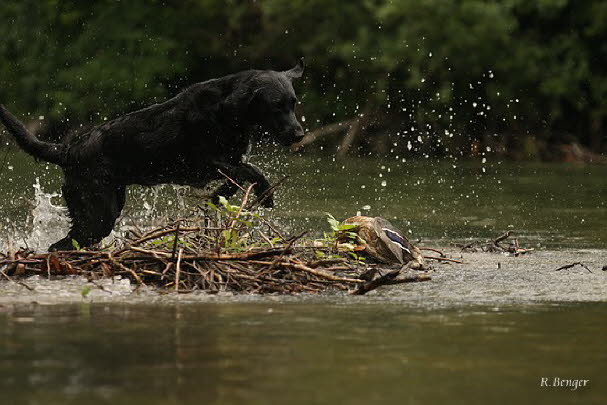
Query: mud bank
[483, 279]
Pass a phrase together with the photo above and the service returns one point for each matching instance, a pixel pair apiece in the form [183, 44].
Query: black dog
[185, 140]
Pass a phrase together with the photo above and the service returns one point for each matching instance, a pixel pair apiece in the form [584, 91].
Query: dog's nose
[298, 131]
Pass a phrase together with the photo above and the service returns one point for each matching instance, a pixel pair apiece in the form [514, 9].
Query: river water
[485, 331]
[300, 353]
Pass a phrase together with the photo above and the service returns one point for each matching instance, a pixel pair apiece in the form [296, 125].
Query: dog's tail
[50, 152]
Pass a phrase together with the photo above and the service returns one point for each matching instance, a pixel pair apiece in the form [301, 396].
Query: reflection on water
[411, 346]
[550, 205]
[299, 353]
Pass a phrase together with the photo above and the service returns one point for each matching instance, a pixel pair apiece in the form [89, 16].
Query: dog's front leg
[262, 184]
[240, 173]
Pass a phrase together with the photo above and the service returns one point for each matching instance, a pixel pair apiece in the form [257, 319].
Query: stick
[236, 256]
[501, 238]
[231, 180]
[154, 235]
[322, 273]
[568, 266]
[261, 198]
[242, 204]
[6, 276]
[125, 269]
[323, 262]
[389, 279]
[443, 259]
[373, 284]
[433, 250]
[178, 270]
[320, 132]
[176, 240]
[273, 228]
[292, 242]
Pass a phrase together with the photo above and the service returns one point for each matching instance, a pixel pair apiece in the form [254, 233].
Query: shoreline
[529, 279]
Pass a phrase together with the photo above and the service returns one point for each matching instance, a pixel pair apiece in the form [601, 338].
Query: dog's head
[273, 104]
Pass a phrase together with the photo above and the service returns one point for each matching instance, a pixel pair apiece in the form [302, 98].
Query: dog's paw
[215, 199]
[62, 245]
[268, 202]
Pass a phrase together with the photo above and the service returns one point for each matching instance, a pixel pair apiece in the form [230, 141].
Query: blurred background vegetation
[525, 79]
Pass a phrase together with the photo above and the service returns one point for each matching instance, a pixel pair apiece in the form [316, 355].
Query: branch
[312, 136]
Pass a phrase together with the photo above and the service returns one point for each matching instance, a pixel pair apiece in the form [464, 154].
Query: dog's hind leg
[93, 212]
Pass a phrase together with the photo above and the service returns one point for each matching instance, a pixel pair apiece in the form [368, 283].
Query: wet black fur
[184, 140]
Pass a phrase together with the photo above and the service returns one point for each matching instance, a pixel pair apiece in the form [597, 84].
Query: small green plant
[75, 244]
[341, 231]
[342, 238]
[238, 222]
[169, 241]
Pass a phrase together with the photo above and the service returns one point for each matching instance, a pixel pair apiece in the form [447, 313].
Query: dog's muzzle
[288, 138]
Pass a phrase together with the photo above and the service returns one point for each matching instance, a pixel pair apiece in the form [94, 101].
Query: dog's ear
[297, 71]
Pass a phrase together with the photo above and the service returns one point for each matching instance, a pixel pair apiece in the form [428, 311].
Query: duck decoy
[384, 242]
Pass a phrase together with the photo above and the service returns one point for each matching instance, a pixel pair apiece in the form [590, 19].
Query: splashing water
[49, 221]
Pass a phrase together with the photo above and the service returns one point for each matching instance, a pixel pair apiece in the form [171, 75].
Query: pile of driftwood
[501, 244]
[225, 248]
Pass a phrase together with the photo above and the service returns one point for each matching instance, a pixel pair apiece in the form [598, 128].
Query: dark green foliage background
[420, 64]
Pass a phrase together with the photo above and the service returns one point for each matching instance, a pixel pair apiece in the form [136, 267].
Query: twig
[568, 266]
[125, 269]
[443, 259]
[501, 238]
[6, 276]
[242, 205]
[176, 240]
[261, 198]
[373, 284]
[433, 250]
[231, 180]
[292, 241]
[322, 273]
[151, 236]
[178, 270]
[323, 262]
[326, 130]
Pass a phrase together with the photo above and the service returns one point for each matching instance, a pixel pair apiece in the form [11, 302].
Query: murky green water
[486, 331]
[300, 354]
[548, 205]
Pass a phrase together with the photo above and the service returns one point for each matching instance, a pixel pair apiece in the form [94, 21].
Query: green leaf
[223, 201]
[333, 223]
[85, 290]
[213, 206]
[75, 244]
